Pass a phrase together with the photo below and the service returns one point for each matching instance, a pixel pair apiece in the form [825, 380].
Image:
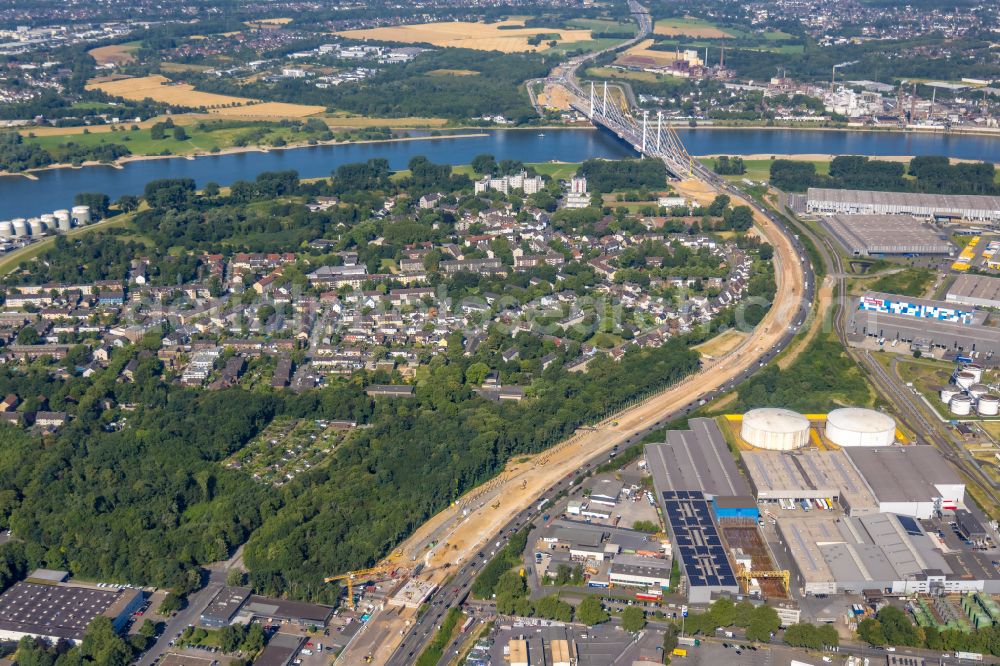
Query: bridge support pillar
[604, 109]
[591, 99]
[659, 129]
[645, 118]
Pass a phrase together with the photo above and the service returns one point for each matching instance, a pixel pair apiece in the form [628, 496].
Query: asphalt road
[197, 602]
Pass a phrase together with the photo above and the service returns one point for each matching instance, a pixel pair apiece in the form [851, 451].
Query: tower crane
[357, 576]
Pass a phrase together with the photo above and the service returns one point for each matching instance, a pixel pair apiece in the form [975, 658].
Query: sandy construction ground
[672, 28]
[721, 344]
[161, 89]
[555, 97]
[490, 507]
[648, 56]
[116, 53]
[461, 34]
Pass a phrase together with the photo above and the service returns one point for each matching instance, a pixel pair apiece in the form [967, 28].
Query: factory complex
[924, 324]
[46, 606]
[816, 505]
[975, 290]
[870, 235]
[973, 208]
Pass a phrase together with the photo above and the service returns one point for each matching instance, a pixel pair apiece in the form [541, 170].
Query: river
[55, 188]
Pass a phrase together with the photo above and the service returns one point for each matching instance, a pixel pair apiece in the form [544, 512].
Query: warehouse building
[698, 545]
[964, 332]
[695, 459]
[636, 571]
[909, 480]
[865, 202]
[867, 235]
[833, 554]
[975, 290]
[62, 611]
[809, 475]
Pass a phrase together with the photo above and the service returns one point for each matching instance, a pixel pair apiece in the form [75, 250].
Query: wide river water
[55, 188]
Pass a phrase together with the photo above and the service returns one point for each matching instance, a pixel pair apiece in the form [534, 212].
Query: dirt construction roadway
[521, 484]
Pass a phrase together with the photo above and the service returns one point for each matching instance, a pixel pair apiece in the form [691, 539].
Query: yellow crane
[356, 576]
[744, 575]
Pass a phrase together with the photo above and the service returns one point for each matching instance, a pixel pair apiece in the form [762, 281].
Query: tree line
[930, 174]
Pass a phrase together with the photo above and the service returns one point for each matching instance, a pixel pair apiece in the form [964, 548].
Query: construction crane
[356, 576]
[745, 575]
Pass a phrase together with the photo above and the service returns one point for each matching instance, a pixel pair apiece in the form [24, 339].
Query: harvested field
[453, 72]
[268, 111]
[461, 34]
[161, 89]
[182, 67]
[743, 533]
[688, 28]
[117, 54]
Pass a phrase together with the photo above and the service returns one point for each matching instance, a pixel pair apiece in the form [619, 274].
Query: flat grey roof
[695, 459]
[974, 289]
[903, 473]
[943, 202]
[886, 234]
[279, 650]
[63, 611]
[289, 610]
[943, 333]
[913, 300]
[225, 603]
[809, 474]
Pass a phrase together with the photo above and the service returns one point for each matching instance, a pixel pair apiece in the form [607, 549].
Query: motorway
[796, 285]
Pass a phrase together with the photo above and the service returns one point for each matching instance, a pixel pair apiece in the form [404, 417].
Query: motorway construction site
[470, 524]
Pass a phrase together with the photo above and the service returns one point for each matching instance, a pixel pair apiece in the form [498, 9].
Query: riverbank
[122, 161]
[824, 157]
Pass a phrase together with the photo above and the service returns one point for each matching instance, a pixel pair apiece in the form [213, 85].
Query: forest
[930, 174]
[410, 89]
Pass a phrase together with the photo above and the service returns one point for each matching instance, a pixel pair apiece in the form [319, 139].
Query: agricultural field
[479, 36]
[614, 73]
[453, 72]
[117, 54]
[689, 27]
[174, 67]
[601, 25]
[268, 111]
[161, 89]
[287, 448]
[642, 54]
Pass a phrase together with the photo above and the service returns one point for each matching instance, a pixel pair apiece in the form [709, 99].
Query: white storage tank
[6, 229]
[989, 405]
[81, 215]
[853, 426]
[49, 221]
[961, 405]
[947, 393]
[965, 380]
[34, 226]
[63, 221]
[976, 370]
[20, 226]
[775, 429]
[978, 390]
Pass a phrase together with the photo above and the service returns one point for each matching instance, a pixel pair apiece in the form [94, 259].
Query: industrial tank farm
[854, 426]
[775, 429]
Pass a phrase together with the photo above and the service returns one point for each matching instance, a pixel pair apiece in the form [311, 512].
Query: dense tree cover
[484, 587]
[811, 636]
[633, 619]
[821, 378]
[421, 453]
[729, 166]
[610, 175]
[892, 626]
[16, 154]
[931, 174]
[590, 611]
[759, 621]
[410, 89]
[435, 650]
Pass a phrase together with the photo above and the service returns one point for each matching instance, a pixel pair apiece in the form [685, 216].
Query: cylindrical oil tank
[775, 429]
[6, 229]
[63, 220]
[989, 405]
[20, 227]
[49, 220]
[961, 405]
[978, 390]
[853, 426]
[948, 393]
[81, 215]
[976, 370]
[34, 226]
[964, 380]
